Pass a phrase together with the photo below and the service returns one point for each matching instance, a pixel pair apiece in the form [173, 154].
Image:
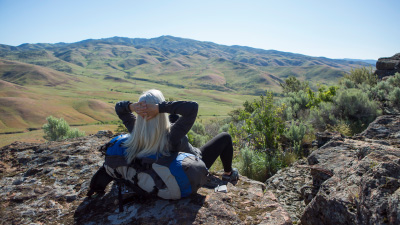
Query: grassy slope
[89, 100]
[176, 61]
[82, 81]
[36, 136]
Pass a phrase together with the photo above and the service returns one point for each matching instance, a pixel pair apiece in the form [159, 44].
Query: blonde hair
[149, 137]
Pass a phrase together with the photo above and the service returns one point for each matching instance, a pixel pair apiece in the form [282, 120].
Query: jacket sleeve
[188, 113]
[125, 114]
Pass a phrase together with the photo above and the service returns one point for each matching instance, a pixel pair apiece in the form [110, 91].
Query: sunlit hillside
[82, 81]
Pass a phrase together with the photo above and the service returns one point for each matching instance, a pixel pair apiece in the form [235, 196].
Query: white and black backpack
[168, 177]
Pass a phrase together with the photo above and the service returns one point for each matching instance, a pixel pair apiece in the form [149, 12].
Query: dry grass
[36, 136]
[23, 73]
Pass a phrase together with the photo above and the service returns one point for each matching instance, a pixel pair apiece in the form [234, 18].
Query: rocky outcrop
[346, 181]
[388, 66]
[321, 138]
[293, 188]
[47, 184]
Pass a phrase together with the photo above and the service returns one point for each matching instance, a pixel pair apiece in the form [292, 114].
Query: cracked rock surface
[47, 184]
[346, 181]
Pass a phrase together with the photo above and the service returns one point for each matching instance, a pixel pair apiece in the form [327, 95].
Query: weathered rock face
[323, 137]
[293, 187]
[47, 183]
[347, 180]
[388, 66]
[359, 183]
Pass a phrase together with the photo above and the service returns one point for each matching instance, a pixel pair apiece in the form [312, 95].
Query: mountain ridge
[127, 40]
[219, 77]
[175, 60]
[165, 40]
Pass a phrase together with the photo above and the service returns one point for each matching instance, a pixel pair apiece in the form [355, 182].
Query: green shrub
[260, 166]
[295, 104]
[347, 83]
[362, 75]
[262, 124]
[341, 127]
[322, 116]
[324, 94]
[253, 164]
[196, 140]
[386, 92]
[394, 97]
[212, 127]
[394, 80]
[292, 84]
[295, 134]
[197, 135]
[258, 134]
[121, 128]
[58, 129]
[350, 106]
[381, 91]
[199, 128]
[224, 128]
[354, 106]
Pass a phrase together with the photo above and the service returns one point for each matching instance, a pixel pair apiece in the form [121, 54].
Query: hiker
[153, 132]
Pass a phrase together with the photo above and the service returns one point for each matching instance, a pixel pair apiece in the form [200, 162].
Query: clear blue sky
[361, 29]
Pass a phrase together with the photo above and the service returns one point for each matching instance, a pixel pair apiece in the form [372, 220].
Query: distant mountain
[181, 62]
[369, 61]
[82, 81]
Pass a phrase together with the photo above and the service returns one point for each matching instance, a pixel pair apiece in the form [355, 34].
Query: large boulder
[293, 188]
[347, 180]
[388, 66]
[357, 179]
[47, 184]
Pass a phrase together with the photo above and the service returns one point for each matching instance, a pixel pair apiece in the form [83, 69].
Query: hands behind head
[146, 110]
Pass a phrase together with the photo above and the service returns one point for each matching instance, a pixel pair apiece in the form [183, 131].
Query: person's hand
[139, 108]
[151, 111]
[145, 110]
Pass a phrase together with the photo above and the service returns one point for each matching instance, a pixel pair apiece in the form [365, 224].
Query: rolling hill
[28, 74]
[181, 63]
[82, 81]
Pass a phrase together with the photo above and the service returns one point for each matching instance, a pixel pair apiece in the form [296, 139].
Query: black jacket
[181, 125]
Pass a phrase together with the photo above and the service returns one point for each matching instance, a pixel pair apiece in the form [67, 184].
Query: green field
[82, 81]
[90, 101]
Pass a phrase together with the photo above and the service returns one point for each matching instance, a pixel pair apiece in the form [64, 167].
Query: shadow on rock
[138, 210]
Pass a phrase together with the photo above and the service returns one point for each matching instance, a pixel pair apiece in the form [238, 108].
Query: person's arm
[123, 110]
[188, 113]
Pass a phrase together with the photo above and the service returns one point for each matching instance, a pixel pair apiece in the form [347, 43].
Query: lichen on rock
[47, 183]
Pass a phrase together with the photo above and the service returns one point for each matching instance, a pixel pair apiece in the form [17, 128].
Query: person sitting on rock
[154, 132]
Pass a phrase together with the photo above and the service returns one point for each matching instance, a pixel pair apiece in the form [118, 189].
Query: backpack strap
[120, 203]
[138, 191]
[145, 165]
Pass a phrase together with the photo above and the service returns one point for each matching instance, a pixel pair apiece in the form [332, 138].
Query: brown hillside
[27, 74]
[12, 90]
[95, 109]
[213, 78]
[4, 84]
[21, 112]
[271, 79]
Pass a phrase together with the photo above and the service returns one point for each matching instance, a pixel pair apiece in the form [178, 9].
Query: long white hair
[149, 137]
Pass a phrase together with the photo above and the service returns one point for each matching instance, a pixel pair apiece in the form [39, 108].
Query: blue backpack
[169, 177]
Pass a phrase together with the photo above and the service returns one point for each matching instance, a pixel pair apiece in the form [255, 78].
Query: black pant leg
[220, 145]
